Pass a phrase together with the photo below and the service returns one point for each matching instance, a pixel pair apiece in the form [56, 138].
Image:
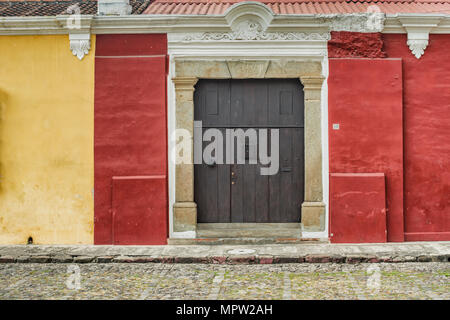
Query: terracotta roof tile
[52, 8]
[206, 7]
[215, 7]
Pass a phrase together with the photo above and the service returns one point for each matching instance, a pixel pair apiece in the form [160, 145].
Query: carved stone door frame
[189, 71]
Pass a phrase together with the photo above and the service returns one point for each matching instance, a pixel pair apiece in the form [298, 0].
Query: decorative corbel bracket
[79, 29]
[418, 30]
[80, 44]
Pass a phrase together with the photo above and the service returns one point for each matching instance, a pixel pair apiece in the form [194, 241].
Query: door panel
[238, 192]
[212, 191]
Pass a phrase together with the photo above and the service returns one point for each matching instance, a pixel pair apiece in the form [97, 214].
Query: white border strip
[189, 23]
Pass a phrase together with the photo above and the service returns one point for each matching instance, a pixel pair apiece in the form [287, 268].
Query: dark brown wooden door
[238, 192]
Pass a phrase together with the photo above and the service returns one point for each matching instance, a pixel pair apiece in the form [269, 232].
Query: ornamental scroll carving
[252, 30]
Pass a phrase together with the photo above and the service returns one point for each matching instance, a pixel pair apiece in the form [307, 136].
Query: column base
[184, 216]
[313, 216]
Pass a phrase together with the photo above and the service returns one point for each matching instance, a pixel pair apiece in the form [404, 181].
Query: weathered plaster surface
[426, 112]
[46, 150]
[345, 44]
[369, 112]
[130, 135]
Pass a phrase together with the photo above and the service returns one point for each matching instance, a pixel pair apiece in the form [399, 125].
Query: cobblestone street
[205, 281]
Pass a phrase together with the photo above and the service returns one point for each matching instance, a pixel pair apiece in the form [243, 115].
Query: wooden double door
[235, 193]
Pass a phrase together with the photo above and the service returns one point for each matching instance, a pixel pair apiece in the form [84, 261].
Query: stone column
[184, 208]
[313, 208]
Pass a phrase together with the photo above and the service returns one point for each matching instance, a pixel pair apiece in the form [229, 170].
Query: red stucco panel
[129, 121]
[357, 208]
[139, 210]
[130, 45]
[365, 100]
[426, 88]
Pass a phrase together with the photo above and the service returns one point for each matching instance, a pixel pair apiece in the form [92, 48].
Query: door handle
[288, 169]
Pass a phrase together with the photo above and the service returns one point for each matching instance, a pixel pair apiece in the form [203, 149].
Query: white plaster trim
[418, 32]
[355, 22]
[171, 125]
[393, 22]
[200, 23]
[325, 155]
[80, 44]
[251, 30]
[312, 50]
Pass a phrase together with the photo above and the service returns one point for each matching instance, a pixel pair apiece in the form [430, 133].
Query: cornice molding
[393, 22]
[216, 23]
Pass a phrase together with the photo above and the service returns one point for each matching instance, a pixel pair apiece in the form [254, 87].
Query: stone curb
[229, 259]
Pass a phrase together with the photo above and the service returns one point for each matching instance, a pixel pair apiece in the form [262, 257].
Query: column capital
[185, 83]
[312, 87]
[312, 82]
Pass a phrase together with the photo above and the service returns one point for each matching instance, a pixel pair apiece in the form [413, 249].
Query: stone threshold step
[241, 241]
[249, 230]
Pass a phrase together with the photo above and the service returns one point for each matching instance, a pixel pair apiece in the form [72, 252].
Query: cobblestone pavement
[204, 281]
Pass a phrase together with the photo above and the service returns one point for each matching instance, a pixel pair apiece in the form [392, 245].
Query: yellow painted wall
[46, 141]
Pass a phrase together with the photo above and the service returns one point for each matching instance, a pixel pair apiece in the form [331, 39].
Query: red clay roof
[52, 7]
[211, 7]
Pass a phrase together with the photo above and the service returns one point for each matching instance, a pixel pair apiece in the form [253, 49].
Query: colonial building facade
[97, 98]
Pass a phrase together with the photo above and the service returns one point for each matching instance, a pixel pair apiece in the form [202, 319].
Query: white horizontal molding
[214, 23]
[244, 51]
[393, 23]
[249, 31]
[61, 24]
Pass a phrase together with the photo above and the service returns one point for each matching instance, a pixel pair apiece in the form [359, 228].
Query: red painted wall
[357, 208]
[130, 134]
[426, 107]
[139, 210]
[365, 99]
